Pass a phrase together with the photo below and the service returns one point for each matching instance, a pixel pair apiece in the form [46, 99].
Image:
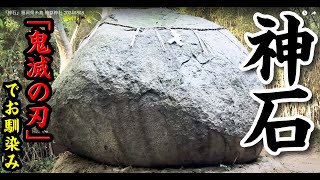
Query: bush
[1, 144]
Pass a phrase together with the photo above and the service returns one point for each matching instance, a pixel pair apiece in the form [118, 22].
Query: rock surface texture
[154, 104]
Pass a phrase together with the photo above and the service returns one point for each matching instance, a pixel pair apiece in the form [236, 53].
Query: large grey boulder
[149, 106]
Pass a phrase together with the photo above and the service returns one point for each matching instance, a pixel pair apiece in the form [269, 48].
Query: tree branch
[63, 43]
[75, 32]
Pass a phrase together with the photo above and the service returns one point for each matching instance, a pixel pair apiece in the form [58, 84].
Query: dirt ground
[306, 162]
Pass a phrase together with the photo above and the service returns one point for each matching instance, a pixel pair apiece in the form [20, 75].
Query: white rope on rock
[134, 37]
[207, 45]
[200, 40]
[176, 38]
[160, 39]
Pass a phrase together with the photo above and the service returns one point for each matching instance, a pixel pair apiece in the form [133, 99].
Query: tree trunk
[75, 33]
[63, 43]
[73, 37]
[106, 11]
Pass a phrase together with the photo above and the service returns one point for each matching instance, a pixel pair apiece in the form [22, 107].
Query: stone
[149, 106]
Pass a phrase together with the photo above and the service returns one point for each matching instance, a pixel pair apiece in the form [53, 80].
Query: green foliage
[70, 19]
[11, 24]
[1, 23]
[44, 165]
[1, 136]
[41, 166]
